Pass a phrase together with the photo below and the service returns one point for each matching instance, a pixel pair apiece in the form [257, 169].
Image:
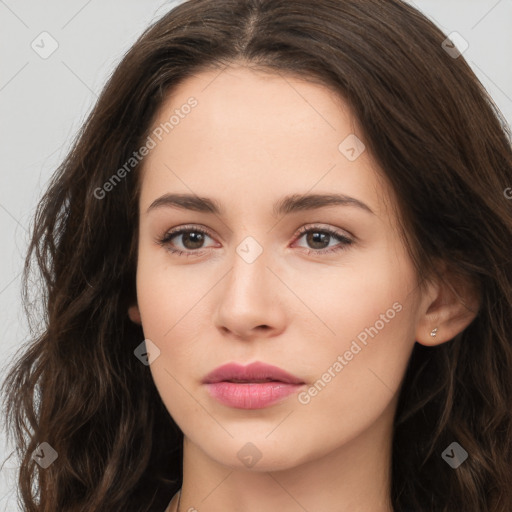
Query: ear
[134, 314]
[450, 303]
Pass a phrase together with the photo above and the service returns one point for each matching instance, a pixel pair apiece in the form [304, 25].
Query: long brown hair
[445, 149]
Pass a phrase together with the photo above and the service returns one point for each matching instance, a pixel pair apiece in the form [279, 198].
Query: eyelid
[323, 227]
[183, 229]
[299, 232]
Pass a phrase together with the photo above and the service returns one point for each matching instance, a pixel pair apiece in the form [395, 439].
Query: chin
[258, 455]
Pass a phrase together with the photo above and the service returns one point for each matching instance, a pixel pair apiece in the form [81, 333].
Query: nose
[251, 300]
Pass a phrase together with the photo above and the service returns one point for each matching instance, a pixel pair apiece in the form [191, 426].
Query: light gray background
[43, 102]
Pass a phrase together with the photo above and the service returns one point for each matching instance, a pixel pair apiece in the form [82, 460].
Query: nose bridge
[249, 272]
[249, 295]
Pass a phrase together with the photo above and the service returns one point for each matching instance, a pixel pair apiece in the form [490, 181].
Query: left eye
[193, 240]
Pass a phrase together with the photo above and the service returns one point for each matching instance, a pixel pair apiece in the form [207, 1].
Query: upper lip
[254, 372]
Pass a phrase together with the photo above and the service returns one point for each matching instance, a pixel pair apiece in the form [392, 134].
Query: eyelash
[168, 236]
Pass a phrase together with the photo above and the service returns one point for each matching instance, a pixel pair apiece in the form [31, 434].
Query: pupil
[316, 237]
[193, 237]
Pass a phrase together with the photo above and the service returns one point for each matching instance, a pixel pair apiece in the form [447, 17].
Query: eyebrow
[288, 204]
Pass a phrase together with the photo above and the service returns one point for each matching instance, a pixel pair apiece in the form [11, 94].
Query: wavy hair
[442, 144]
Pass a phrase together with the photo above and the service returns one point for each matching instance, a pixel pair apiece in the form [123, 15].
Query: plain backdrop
[44, 101]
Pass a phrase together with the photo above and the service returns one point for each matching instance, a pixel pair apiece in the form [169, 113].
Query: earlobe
[451, 305]
[134, 314]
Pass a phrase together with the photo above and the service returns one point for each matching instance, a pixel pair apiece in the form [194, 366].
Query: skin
[253, 138]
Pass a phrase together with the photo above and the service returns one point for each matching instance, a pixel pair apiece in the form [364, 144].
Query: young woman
[277, 275]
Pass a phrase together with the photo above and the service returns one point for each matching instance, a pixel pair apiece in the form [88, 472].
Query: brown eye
[318, 239]
[191, 238]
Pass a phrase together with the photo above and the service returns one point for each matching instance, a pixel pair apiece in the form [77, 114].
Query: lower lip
[251, 395]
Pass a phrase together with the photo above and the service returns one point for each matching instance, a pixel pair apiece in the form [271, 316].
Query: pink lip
[256, 386]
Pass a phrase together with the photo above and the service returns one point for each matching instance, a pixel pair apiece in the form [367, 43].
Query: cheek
[355, 377]
[168, 296]
[364, 300]
[172, 305]
[363, 354]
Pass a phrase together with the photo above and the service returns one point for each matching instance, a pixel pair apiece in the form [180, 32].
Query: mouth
[245, 381]
[255, 386]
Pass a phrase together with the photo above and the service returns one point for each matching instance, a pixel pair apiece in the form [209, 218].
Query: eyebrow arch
[288, 204]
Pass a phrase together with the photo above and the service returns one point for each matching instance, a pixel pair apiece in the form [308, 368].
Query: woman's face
[266, 282]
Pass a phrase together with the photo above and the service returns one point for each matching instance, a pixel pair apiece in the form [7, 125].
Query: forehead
[260, 132]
